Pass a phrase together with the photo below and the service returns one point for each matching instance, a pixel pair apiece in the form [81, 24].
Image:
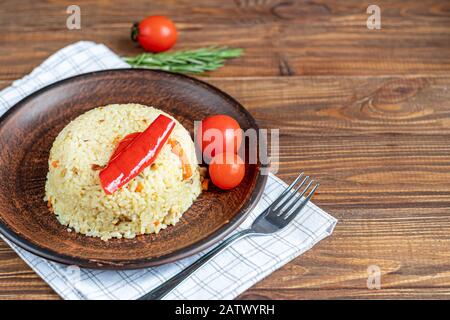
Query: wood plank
[18, 281]
[280, 37]
[379, 147]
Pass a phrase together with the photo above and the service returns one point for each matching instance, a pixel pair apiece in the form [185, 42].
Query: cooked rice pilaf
[156, 198]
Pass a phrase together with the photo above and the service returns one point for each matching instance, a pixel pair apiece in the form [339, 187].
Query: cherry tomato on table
[226, 170]
[224, 126]
[155, 33]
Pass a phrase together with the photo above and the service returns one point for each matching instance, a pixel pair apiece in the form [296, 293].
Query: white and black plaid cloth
[225, 277]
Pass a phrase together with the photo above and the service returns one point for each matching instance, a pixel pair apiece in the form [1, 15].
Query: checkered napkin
[225, 277]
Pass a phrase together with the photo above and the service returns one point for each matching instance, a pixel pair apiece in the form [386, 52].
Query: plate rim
[179, 254]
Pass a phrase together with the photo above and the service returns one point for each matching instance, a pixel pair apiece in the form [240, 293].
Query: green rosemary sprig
[188, 61]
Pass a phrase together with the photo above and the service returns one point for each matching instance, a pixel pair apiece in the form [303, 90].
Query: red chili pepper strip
[137, 155]
[123, 143]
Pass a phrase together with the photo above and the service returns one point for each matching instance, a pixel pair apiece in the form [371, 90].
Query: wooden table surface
[367, 112]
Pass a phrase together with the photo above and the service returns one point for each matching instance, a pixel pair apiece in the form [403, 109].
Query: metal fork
[278, 215]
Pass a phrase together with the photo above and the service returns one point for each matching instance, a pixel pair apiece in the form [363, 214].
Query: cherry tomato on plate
[223, 127]
[226, 170]
[155, 33]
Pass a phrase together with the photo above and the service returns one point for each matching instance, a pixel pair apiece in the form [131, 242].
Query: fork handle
[161, 291]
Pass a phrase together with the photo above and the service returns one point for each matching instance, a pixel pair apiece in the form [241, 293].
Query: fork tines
[291, 202]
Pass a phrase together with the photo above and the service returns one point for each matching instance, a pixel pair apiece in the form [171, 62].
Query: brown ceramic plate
[28, 130]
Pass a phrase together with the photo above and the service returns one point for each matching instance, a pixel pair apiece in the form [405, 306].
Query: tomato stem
[135, 31]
